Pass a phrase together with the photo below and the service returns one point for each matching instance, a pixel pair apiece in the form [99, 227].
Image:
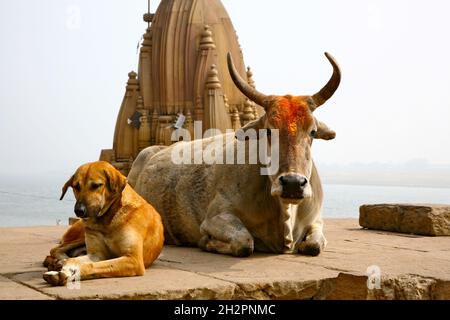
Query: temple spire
[183, 40]
[148, 17]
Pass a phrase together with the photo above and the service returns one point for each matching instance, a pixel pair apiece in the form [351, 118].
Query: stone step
[398, 266]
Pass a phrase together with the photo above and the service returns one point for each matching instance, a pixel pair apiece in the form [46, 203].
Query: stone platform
[411, 267]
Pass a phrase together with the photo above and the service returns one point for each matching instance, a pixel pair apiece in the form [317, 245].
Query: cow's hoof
[243, 252]
[310, 248]
[55, 278]
[243, 248]
[203, 243]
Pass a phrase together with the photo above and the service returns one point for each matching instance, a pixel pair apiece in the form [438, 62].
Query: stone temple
[182, 78]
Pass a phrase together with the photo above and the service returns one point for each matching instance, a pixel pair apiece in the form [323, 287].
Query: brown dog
[123, 233]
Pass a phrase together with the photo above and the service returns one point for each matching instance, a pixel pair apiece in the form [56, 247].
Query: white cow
[233, 209]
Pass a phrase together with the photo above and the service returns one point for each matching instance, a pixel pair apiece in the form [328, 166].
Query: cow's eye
[313, 133]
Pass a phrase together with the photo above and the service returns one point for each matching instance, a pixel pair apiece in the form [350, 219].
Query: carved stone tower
[182, 73]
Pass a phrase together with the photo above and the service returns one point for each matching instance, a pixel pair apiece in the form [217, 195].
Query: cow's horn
[243, 86]
[327, 92]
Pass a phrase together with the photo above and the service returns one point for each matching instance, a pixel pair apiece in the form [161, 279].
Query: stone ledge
[412, 267]
[10, 290]
[428, 220]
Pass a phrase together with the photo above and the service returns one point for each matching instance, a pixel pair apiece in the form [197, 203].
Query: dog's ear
[66, 186]
[115, 181]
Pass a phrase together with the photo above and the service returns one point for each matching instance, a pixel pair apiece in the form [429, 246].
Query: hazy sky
[62, 79]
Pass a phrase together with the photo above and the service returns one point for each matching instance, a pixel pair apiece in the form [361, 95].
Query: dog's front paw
[58, 265]
[56, 278]
[48, 261]
[53, 264]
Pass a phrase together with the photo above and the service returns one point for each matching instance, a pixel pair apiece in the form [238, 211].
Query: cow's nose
[80, 210]
[293, 186]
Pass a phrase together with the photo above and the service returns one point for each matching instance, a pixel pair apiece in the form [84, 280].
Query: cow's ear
[323, 132]
[251, 130]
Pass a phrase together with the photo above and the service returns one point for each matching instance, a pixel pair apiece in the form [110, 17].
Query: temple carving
[182, 75]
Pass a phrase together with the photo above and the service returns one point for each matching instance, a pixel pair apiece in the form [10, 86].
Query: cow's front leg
[225, 233]
[314, 242]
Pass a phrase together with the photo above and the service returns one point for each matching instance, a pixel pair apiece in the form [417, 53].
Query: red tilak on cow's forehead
[292, 112]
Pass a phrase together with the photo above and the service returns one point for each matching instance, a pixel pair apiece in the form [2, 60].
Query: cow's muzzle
[293, 186]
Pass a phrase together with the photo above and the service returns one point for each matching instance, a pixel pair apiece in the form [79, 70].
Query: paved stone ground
[412, 267]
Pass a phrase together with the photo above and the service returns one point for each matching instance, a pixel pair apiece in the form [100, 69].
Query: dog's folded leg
[90, 267]
[119, 267]
[59, 254]
[64, 270]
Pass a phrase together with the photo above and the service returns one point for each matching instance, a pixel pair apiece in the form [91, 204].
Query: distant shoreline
[65, 225]
[384, 184]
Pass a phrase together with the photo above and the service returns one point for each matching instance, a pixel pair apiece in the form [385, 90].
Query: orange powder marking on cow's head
[291, 113]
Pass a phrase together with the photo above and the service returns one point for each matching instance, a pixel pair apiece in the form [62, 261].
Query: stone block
[426, 220]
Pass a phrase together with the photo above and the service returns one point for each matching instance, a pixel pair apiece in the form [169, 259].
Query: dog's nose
[80, 210]
[293, 186]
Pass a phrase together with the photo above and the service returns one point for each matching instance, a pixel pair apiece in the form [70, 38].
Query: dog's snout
[80, 210]
[293, 186]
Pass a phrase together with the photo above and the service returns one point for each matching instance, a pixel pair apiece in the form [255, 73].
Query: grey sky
[62, 82]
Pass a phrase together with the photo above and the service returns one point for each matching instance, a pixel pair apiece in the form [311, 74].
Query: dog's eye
[95, 186]
[77, 187]
[314, 133]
